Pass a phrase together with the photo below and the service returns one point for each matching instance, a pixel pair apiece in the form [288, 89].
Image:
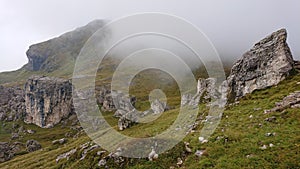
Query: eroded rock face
[48, 100]
[12, 103]
[115, 100]
[266, 64]
[49, 55]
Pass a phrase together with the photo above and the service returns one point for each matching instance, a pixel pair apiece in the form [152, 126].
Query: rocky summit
[50, 55]
[266, 64]
[48, 100]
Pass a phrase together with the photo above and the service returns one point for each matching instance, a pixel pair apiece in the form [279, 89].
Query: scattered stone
[14, 136]
[30, 131]
[199, 153]
[249, 156]
[271, 145]
[102, 163]
[263, 147]
[270, 134]
[60, 141]
[88, 149]
[257, 109]
[292, 100]
[251, 116]
[33, 145]
[99, 153]
[202, 140]
[271, 119]
[179, 162]
[187, 148]
[157, 106]
[152, 155]
[66, 155]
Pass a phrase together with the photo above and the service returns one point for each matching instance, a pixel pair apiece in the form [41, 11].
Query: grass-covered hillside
[237, 142]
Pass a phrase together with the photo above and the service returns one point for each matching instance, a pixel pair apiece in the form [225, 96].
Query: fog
[233, 26]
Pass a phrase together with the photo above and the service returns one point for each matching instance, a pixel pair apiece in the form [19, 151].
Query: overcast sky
[232, 25]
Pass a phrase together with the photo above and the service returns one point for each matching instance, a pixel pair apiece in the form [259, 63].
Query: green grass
[239, 137]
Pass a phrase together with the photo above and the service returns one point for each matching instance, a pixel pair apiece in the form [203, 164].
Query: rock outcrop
[33, 145]
[112, 101]
[8, 151]
[290, 101]
[50, 55]
[47, 100]
[266, 64]
[12, 103]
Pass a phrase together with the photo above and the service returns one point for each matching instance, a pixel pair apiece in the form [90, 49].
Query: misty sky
[232, 25]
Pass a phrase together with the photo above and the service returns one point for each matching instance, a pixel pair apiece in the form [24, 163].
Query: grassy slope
[244, 136]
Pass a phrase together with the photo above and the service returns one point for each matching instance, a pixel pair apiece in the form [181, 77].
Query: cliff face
[266, 64]
[52, 54]
[12, 103]
[47, 100]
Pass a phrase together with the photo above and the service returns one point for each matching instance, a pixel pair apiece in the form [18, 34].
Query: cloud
[233, 25]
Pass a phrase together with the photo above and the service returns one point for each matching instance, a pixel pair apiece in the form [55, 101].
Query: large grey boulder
[48, 100]
[266, 64]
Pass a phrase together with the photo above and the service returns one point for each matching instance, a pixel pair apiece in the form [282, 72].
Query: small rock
[65, 155]
[33, 145]
[202, 140]
[249, 156]
[199, 153]
[102, 162]
[270, 134]
[152, 155]
[187, 148]
[257, 109]
[271, 145]
[263, 147]
[251, 116]
[30, 131]
[271, 119]
[14, 136]
[179, 162]
[59, 141]
[99, 153]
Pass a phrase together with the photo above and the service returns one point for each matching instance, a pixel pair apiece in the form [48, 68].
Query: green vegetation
[235, 144]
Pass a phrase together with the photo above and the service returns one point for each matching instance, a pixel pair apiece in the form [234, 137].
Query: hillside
[55, 57]
[235, 144]
[259, 127]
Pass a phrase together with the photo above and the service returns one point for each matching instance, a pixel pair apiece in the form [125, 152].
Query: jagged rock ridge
[266, 64]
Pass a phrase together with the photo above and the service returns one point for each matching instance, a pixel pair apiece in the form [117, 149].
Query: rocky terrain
[47, 100]
[12, 103]
[38, 122]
